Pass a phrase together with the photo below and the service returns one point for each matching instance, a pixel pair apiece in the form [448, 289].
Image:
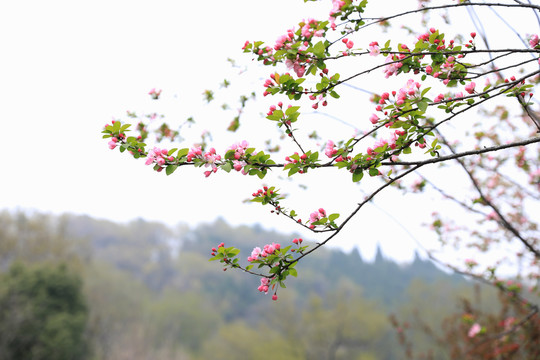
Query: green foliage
[43, 314]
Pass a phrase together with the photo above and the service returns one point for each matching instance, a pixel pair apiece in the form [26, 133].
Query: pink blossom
[156, 155]
[314, 217]
[374, 49]
[380, 143]
[239, 165]
[438, 98]
[330, 150]
[474, 330]
[154, 93]
[254, 254]
[195, 152]
[336, 6]
[471, 262]
[211, 158]
[374, 118]
[240, 147]
[392, 67]
[470, 87]
[264, 285]
[534, 41]
[113, 143]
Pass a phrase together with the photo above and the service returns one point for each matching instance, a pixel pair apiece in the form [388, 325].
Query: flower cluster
[194, 153]
[316, 216]
[239, 153]
[268, 249]
[112, 144]
[311, 28]
[209, 158]
[393, 64]
[159, 157]
[330, 149]
[154, 93]
[409, 91]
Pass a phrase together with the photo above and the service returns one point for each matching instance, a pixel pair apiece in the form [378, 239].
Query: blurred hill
[152, 293]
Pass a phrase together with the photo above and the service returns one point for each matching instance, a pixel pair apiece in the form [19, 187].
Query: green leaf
[170, 169]
[422, 106]
[333, 217]
[227, 167]
[291, 110]
[233, 252]
[334, 94]
[293, 272]
[357, 176]
[293, 171]
[319, 49]
[373, 171]
[182, 152]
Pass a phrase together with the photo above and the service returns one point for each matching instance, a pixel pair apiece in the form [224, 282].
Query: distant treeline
[143, 290]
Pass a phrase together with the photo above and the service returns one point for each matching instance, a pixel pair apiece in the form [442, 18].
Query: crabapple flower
[474, 330]
[438, 98]
[534, 41]
[470, 87]
[210, 158]
[297, 68]
[392, 67]
[254, 254]
[316, 216]
[240, 147]
[330, 150]
[239, 166]
[264, 285]
[154, 93]
[113, 143]
[157, 155]
[374, 49]
[374, 119]
[336, 6]
[195, 152]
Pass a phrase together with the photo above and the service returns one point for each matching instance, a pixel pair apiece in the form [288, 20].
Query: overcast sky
[69, 67]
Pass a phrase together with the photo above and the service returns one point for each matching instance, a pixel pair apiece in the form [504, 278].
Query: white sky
[68, 67]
